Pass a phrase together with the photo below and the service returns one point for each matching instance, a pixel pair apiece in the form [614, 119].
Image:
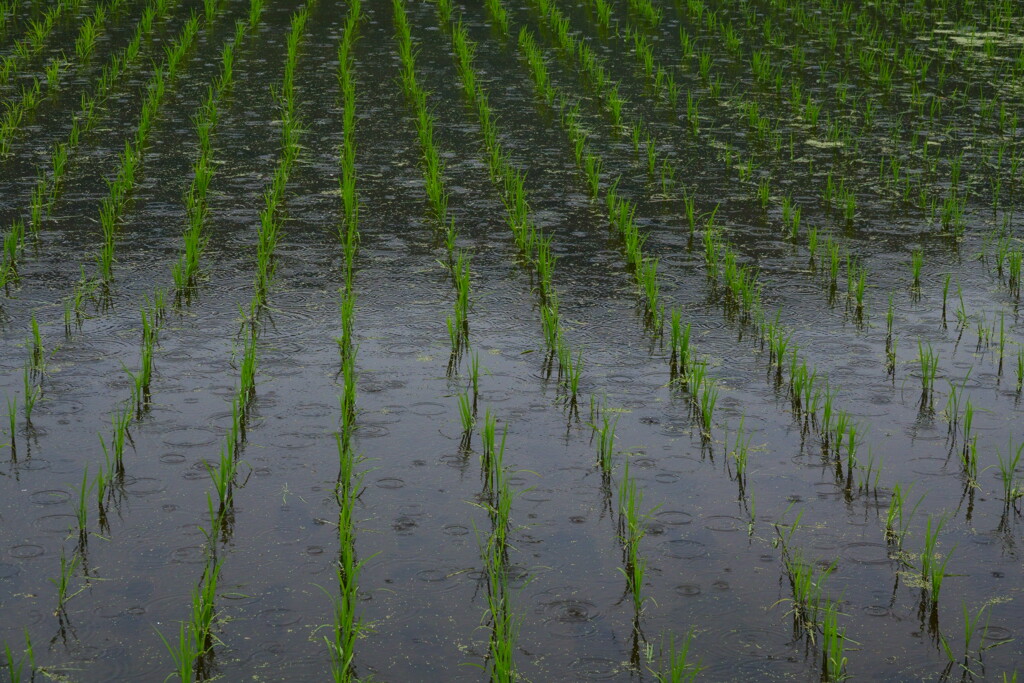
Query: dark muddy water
[713, 565]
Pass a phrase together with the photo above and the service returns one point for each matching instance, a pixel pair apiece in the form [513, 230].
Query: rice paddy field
[422, 340]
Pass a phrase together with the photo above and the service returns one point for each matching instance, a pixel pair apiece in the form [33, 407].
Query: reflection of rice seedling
[1002, 340]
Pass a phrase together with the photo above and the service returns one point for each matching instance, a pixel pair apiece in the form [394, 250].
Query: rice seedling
[808, 603]
[500, 664]
[223, 476]
[680, 343]
[933, 565]
[929, 362]
[834, 660]
[120, 421]
[896, 522]
[971, 628]
[31, 393]
[631, 532]
[740, 453]
[184, 653]
[38, 362]
[81, 511]
[605, 443]
[916, 260]
[675, 665]
[466, 417]
[474, 376]
[1020, 368]
[1013, 491]
[15, 668]
[63, 580]
[85, 42]
[708, 399]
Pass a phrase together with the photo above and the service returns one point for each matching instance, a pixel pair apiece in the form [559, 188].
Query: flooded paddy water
[438, 341]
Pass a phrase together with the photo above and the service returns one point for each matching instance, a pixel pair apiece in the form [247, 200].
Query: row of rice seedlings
[291, 130]
[186, 270]
[32, 376]
[632, 529]
[620, 211]
[193, 652]
[123, 183]
[433, 167]
[533, 246]
[348, 230]
[35, 36]
[51, 173]
[106, 488]
[808, 601]
[497, 501]
[108, 484]
[437, 194]
[813, 613]
[346, 624]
